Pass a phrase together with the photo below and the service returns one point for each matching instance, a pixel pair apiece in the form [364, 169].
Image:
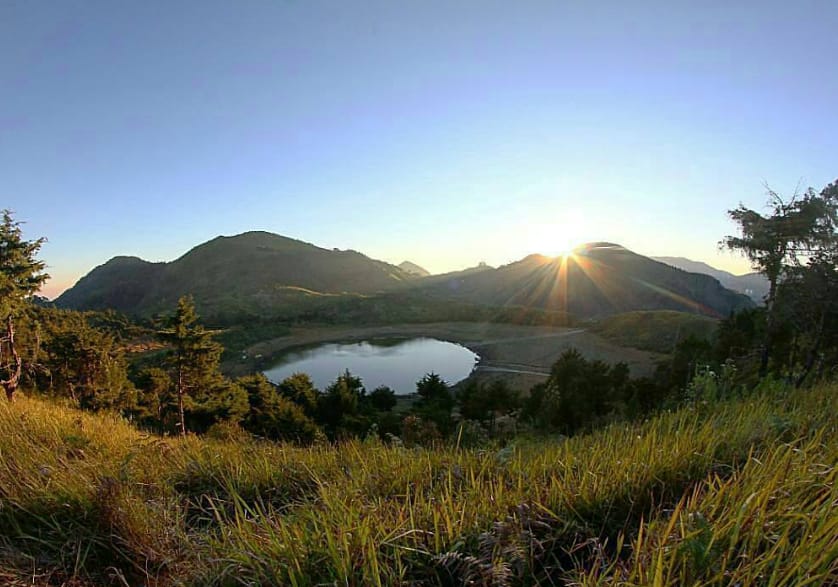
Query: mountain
[250, 272]
[598, 279]
[121, 284]
[754, 285]
[413, 269]
[264, 274]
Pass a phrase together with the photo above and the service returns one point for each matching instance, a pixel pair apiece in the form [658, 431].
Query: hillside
[658, 331]
[725, 493]
[598, 279]
[754, 285]
[413, 269]
[263, 274]
[250, 272]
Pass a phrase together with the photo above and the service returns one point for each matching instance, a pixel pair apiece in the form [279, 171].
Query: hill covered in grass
[718, 493]
[259, 274]
[250, 272]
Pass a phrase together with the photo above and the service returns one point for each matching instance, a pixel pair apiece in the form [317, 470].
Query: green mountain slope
[249, 272]
[258, 273]
[121, 284]
[599, 279]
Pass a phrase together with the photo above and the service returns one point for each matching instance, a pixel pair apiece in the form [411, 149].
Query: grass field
[734, 493]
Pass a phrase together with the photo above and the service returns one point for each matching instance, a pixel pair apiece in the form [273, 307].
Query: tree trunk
[180, 400]
[813, 353]
[769, 329]
[10, 384]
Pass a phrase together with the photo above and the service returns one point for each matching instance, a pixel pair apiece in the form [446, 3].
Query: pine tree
[195, 356]
[21, 276]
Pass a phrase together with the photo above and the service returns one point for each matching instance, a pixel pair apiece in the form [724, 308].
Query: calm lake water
[398, 364]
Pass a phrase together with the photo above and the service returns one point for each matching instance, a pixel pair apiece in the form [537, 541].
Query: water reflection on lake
[398, 364]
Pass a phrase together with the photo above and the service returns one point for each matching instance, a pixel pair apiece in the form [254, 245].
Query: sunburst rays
[551, 283]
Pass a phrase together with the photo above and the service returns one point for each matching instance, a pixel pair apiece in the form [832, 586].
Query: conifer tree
[194, 356]
[21, 276]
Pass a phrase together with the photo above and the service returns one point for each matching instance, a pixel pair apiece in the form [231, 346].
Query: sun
[555, 233]
[551, 242]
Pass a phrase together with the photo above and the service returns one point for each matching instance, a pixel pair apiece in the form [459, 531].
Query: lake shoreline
[521, 355]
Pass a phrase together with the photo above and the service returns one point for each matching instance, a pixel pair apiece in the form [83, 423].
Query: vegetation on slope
[658, 331]
[737, 492]
[227, 275]
[257, 274]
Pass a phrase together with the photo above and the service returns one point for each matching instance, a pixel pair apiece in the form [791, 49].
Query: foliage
[194, 362]
[486, 402]
[436, 402]
[157, 399]
[300, 389]
[272, 415]
[579, 394]
[799, 228]
[382, 399]
[88, 365]
[21, 275]
[339, 409]
[658, 331]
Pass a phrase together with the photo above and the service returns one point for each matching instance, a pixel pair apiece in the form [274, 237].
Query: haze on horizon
[442, 133]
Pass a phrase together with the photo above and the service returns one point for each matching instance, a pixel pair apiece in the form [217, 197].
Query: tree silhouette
[794, 229]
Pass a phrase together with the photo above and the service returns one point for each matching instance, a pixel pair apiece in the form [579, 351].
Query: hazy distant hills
[258, 273]
[247, 272]
[413, 269]
[753, 285]
[599, 279]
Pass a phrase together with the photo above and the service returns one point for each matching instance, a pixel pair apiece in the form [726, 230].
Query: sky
[446, 133]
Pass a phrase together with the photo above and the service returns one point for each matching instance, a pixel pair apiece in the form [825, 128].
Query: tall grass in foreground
[741, 492]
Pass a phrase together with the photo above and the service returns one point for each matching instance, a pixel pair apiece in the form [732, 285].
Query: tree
[793, 230]
[435, 401]
[339, 407]
[21, 276]
[808, 303]
[275, 416]
[382, 399]
[486, 402]
[299, 388]
[578, 394]
[194, 356]
[88, 364]
[157, 400]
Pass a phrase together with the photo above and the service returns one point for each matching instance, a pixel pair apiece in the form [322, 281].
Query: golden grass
[741, 492]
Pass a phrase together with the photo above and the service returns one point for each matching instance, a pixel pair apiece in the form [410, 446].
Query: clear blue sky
[442, 132]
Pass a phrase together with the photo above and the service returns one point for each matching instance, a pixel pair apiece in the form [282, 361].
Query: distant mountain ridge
[250, 271]
[264, 274]
[598, 279]
[754, 285]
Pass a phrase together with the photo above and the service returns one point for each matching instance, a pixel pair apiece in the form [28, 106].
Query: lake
[399, 364]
